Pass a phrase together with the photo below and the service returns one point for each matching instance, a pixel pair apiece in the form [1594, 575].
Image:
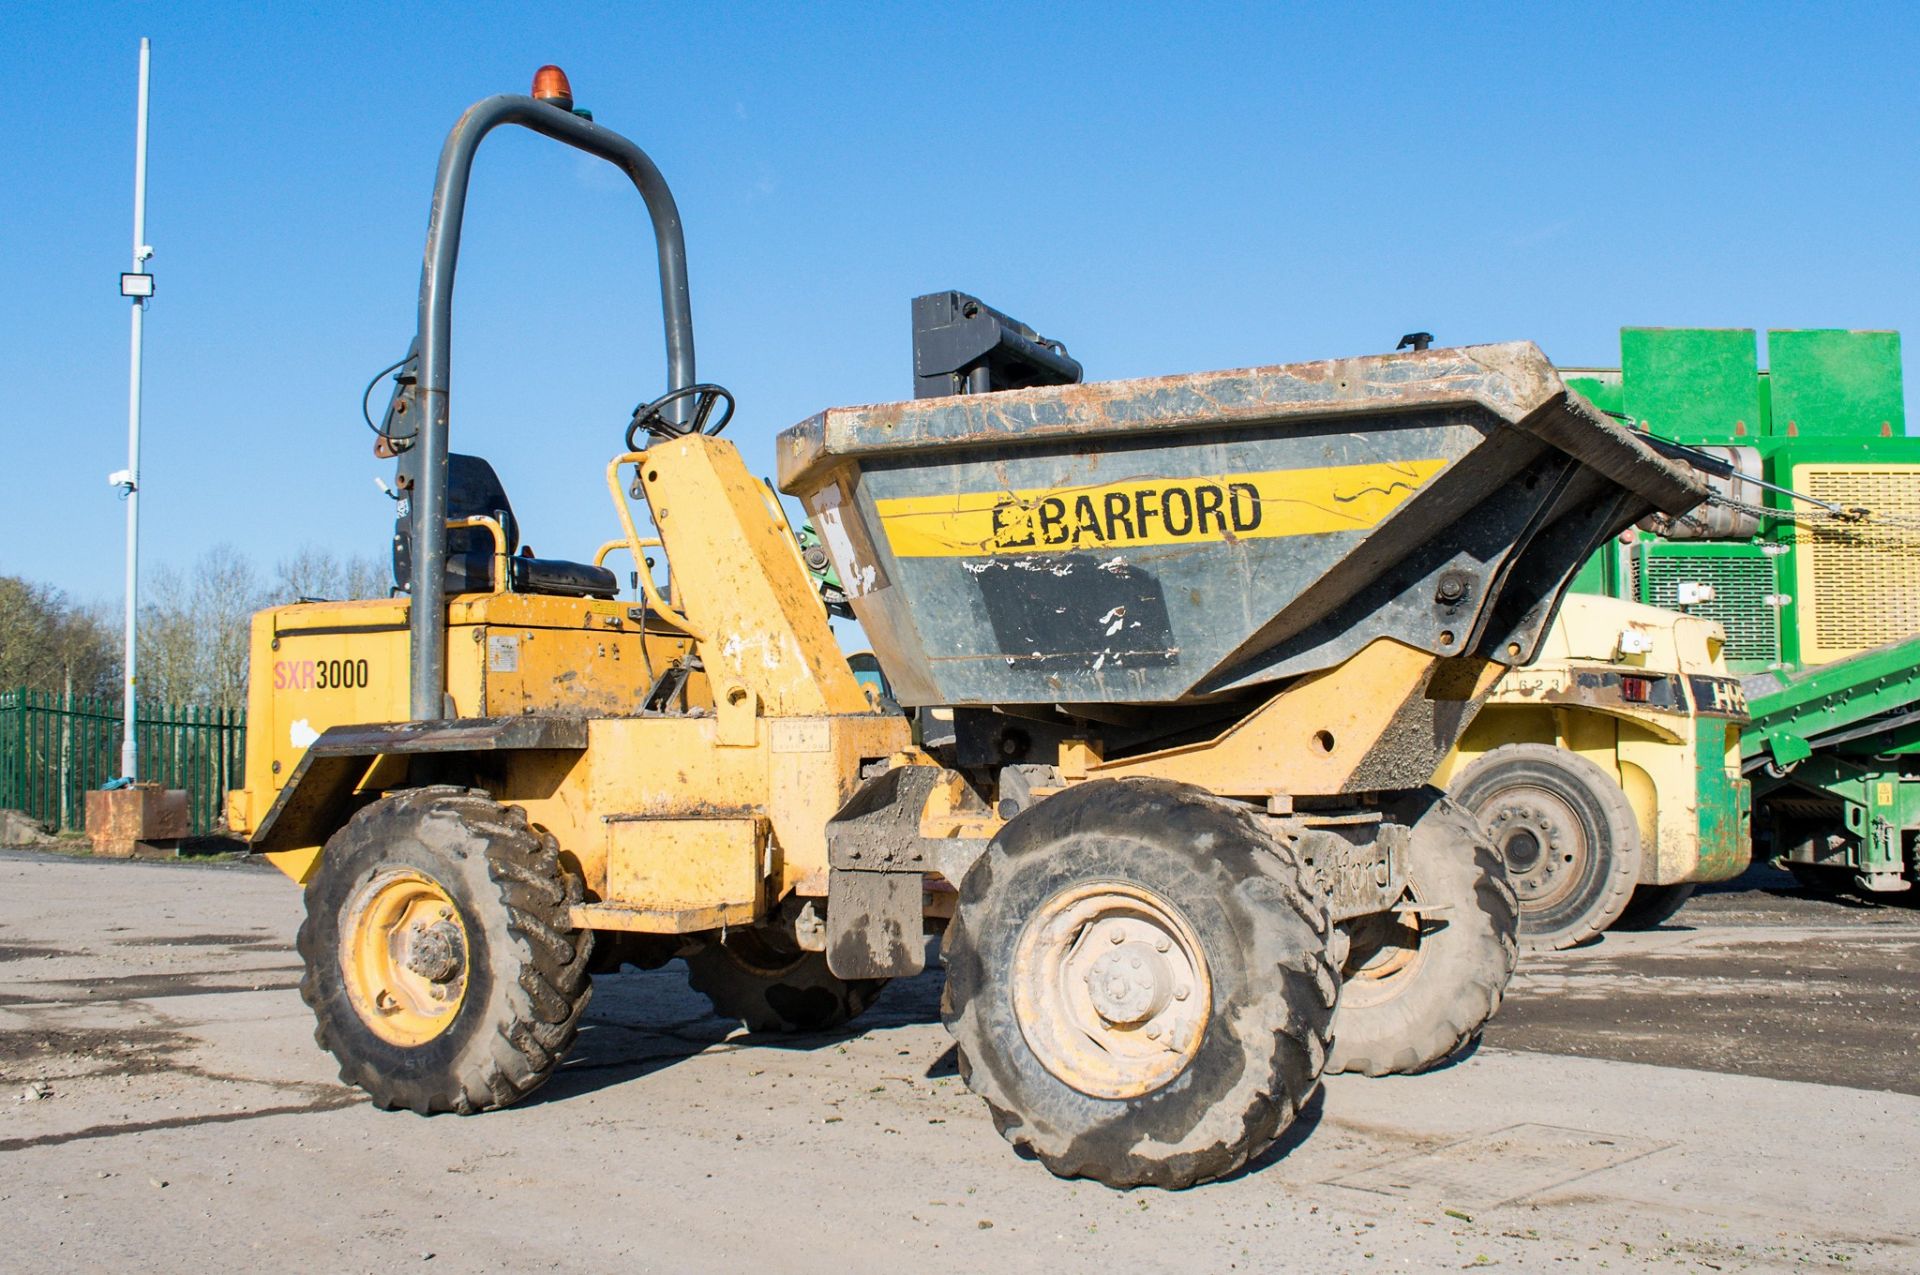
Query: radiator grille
[1859, 584]
[1741, 583]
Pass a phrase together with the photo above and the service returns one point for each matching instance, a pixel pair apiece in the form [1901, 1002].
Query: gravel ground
[1731, 1092]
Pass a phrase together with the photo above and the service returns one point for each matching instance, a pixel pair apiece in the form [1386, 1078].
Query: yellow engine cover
[322, 664]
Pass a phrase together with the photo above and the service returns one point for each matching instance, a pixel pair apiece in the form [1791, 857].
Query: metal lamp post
[137, 284]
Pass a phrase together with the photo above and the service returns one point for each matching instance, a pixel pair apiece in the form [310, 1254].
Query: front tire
[1138, 984]
[1417, 987]
[440, 966]
[1568, 836]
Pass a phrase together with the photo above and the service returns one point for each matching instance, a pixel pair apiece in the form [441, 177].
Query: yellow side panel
[815, 769]
[666, 767]
[1660, 779]
[1648, 811]
[316, 665]
[684, 864]
[799, 773]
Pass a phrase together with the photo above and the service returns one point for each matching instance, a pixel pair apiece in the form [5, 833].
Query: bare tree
[319, 575]
[195, 627]
[48, 643]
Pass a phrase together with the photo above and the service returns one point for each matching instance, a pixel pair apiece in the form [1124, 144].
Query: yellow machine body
[322, 664]
[1644, 694]
[677, 822]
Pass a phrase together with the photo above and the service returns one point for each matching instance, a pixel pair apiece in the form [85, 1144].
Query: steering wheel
[705, 398]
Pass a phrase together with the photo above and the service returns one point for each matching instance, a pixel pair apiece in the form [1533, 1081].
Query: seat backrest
[473, 490]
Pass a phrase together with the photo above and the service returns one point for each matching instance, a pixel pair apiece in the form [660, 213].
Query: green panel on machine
[1726, 817]
[1830, 381]
[1599, 386]
[1737, 581]
[1692, 385]
[1595, 576]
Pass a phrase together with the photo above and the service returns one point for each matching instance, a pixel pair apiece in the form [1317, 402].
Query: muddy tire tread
[542, 1008]
[1464, 1004]
[1294, 956]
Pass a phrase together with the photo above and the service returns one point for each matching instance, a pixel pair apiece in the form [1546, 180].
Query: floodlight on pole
[136, 284]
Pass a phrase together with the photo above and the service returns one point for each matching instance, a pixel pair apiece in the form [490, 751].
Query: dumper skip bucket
[1186, 538]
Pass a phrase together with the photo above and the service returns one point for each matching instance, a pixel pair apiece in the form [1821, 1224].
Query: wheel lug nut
[1163, 944]
[1116, 936]
[1181, 993]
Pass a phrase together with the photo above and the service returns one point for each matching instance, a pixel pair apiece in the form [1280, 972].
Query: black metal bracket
[961, 345]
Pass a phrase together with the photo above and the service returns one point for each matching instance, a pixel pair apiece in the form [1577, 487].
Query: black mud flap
[877, 861]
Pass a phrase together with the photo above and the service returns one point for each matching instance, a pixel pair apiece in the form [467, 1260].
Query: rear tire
[1138, 984]
[1653, 906]
[766, 985]
[440, 966]
[1568, 836]
[1415, 990]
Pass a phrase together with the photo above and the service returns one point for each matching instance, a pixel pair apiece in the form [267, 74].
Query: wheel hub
[434, 952]
[1542, 840]
[404, 956]
[1129, 984]
[1111, 990]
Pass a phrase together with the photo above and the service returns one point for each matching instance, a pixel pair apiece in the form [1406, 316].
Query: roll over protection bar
[427, 614]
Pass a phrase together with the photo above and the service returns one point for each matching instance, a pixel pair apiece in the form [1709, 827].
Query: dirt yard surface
[1755, 978]
[1733, 1092]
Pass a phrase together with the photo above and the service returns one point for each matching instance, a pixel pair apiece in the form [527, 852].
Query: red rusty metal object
[122, 822]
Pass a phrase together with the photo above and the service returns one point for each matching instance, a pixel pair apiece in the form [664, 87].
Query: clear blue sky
[1164, 189]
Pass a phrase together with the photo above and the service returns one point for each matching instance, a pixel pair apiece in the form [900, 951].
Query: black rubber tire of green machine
[1652, 906]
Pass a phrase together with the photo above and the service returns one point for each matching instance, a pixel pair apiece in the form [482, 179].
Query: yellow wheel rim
[403, 952]
[1110, 989]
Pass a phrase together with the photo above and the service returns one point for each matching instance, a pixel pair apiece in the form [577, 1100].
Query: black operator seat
[474, 491]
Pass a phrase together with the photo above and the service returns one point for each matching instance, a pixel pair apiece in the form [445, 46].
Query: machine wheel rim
[1111, 989]
[1384, 952]
[1544, 843]
[405, 956]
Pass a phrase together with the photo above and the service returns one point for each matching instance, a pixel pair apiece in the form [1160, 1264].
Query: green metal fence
[54, 748]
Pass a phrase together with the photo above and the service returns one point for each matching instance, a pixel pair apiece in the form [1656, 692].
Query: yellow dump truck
[1206, 639]
[1607, 771]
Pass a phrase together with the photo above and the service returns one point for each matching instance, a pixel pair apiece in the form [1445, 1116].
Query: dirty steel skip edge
[1153, 511]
